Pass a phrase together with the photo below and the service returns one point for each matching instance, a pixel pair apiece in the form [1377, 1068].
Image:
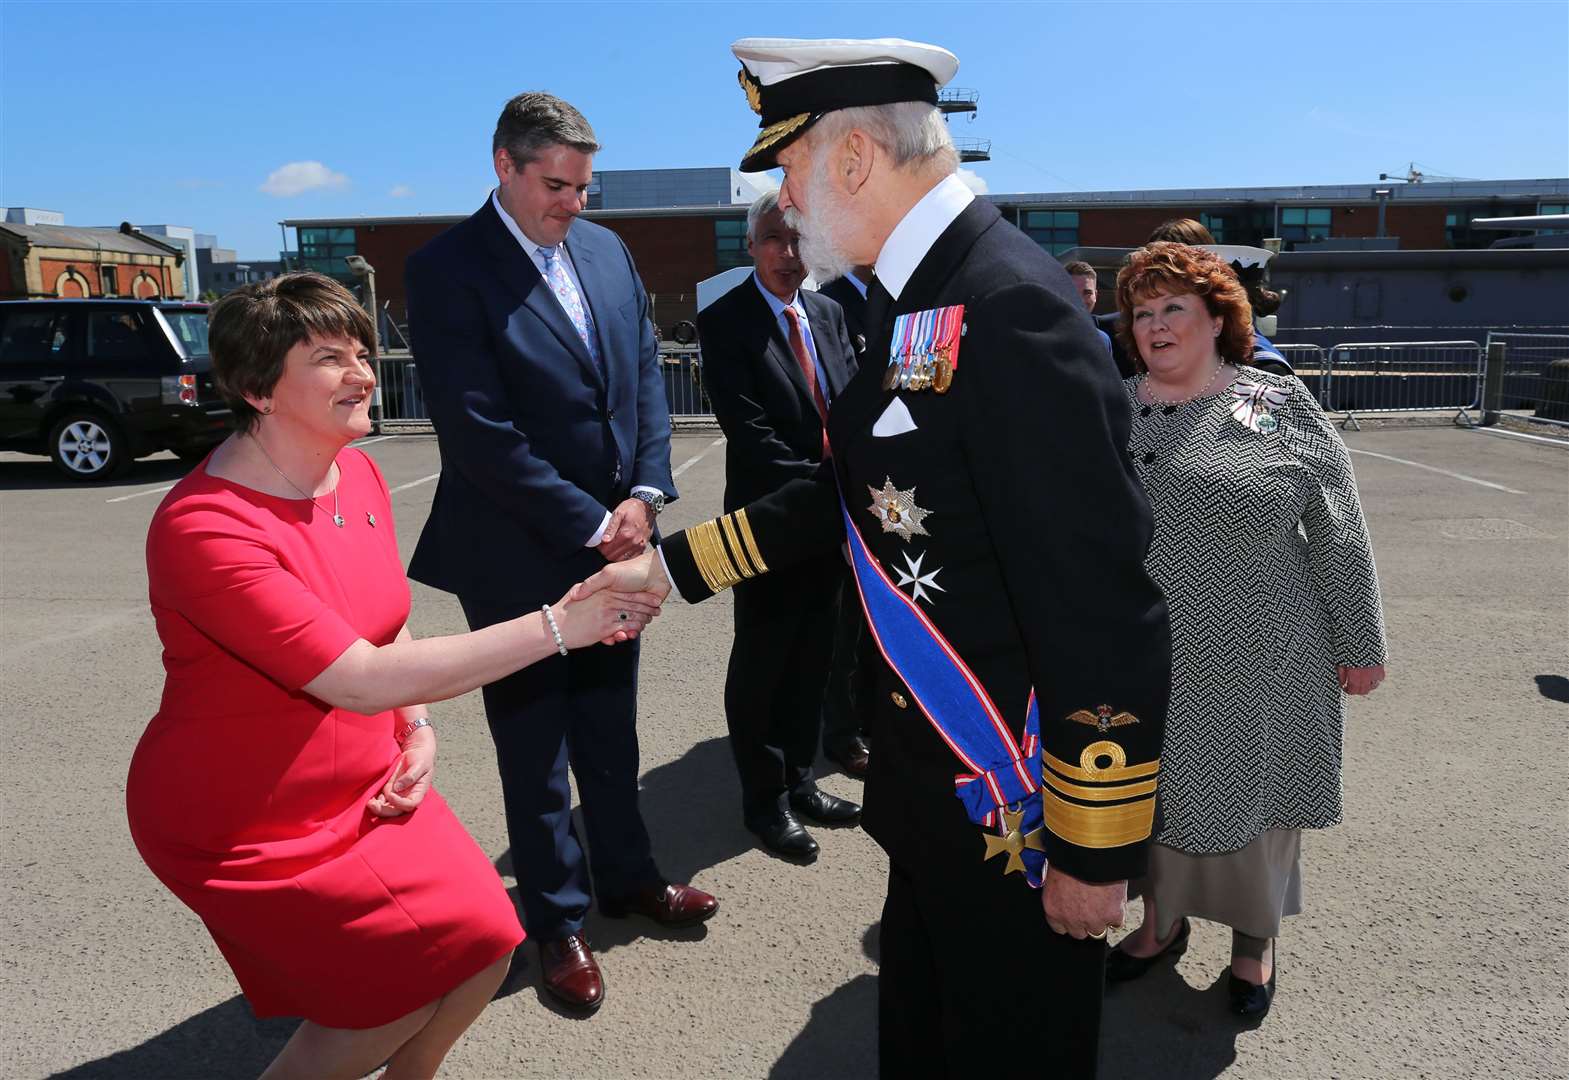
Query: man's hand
[640, 573]
[631, 524]
[1082, 909]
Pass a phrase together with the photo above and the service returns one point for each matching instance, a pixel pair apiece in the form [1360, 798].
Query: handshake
[615, 604]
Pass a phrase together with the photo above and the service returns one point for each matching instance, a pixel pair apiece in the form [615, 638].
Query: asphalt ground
[1433, 942]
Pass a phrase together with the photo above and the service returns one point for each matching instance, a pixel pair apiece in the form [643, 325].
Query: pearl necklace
[337, 518]
[1158, 400]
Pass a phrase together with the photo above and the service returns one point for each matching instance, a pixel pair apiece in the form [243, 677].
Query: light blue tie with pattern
[571, 302]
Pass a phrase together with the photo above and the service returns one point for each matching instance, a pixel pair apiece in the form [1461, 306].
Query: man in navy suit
[774, 358]
[535, 351]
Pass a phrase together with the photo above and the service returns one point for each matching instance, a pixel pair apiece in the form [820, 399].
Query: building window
[730, 243]
[1458, 232]
[1055, 230]
[323, 250]
[1303, 224]
[110, 276]
[1247, 226]
[1553, 208]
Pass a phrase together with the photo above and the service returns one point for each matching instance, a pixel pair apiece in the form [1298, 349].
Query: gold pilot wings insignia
[1102, 718]
[896, 511]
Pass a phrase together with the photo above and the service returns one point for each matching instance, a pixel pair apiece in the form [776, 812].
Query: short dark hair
[1182, 230]
[251, 330]
[1170, 267]
[535, 121]
[1080, 269]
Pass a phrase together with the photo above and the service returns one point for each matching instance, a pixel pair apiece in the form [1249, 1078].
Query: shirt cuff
[675, 592]
[599, 533]
[644, 487]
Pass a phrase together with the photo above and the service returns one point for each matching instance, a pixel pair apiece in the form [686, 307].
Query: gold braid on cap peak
[753, 88]
[779, 131]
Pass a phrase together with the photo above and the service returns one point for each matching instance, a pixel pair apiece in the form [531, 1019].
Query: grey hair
[533, 122]
[761, 207]
[912, 133]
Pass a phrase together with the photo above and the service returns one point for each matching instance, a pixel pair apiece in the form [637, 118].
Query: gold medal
[943, 380]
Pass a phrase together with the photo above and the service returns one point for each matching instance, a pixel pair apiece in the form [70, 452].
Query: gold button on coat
[898, 699]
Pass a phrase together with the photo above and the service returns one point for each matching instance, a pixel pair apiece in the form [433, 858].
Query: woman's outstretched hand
[639, 580]
[607, 611]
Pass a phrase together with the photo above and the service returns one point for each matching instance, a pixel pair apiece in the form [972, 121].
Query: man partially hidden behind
[775, 357]
[1086, 281]
[981, 482]
[532, 337]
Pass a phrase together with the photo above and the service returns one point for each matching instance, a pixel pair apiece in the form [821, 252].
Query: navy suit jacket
[535, 446]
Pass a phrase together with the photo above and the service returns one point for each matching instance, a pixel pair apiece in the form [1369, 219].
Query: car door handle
[52, 378]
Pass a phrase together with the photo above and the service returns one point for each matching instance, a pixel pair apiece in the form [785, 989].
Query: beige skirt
[1250, 889]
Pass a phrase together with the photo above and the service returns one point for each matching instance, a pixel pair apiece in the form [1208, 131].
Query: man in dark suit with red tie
[538, 362]
[774, 357]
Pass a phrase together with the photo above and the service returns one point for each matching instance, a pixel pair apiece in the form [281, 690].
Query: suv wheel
[88, 446]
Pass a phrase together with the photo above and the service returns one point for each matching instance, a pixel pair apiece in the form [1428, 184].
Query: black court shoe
[1124, 967]
[1249, 999]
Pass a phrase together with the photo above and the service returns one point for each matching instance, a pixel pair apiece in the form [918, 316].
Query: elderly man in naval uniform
[980, 482]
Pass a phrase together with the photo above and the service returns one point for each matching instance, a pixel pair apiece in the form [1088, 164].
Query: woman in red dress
[283, 791]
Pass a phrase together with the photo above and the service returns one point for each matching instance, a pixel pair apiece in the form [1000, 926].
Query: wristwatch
[654, 499]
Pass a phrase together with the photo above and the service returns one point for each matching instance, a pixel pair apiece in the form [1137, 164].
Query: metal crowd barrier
[1362, 377]
[1531, 373]
[400, 404]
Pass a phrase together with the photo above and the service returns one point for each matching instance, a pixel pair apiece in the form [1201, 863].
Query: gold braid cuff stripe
[1097, 794]
[1090, 771]
[727, 522]
[1098, 826]
[713, 561]
[751, 541]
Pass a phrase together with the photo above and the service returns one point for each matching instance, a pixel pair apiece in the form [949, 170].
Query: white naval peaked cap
[792, 82]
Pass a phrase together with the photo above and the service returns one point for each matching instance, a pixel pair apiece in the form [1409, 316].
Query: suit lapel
[779, 346]
[596, 298]
[851, 415]
[519, 273]
[817, 310]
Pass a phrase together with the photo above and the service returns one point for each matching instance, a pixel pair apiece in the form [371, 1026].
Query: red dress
[247, 796]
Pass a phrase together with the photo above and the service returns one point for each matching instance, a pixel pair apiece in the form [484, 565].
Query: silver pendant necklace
[337, 518]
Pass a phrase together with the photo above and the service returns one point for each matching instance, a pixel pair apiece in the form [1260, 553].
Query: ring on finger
[1100, 936]
[622, 616]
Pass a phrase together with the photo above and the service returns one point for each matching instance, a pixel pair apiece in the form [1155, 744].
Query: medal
[1267, 424]
[1253, 405]
[896, 511]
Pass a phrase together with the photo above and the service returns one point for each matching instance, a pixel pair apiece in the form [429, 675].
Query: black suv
[97, 383]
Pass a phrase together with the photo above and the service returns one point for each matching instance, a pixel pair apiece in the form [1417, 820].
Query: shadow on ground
[41, 475]
[225, 1040]
[840, 1037]
[1161, 1026]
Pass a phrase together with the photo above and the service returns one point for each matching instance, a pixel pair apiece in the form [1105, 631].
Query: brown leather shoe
[853, 757]
[668, 905]
[570, 973]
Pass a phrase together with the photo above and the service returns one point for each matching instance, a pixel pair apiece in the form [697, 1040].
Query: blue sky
[180, 113]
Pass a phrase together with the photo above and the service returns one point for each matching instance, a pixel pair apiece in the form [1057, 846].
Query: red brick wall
[387, 248]
[51, 267]
[1126, 227]
[1418, 227]
[672, 255]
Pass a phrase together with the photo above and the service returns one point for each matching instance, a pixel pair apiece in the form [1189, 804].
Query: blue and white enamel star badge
[921, 581]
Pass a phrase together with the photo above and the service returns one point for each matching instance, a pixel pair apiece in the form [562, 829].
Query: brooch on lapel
[924, 351]
[1254, 406]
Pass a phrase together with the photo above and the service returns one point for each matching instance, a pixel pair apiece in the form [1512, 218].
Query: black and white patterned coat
[1263, 554]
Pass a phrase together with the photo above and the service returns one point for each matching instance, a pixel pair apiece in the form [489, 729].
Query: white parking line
[415, 483]
[689, 462]
[375, 439]
[1504, 434]
[139, 494]
[1441, 472]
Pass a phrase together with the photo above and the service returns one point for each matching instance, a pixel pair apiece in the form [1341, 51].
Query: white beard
[818, 235]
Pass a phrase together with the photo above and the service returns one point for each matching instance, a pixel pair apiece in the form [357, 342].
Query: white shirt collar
[777, 305]
[918, 230]
[529, 246]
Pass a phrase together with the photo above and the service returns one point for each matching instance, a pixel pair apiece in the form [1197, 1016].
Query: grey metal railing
[1363, 377]
[1531, 375]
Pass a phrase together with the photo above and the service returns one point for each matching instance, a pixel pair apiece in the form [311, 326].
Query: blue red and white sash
[999, 769]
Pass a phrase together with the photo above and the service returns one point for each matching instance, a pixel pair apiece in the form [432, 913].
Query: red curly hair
[1167, 267]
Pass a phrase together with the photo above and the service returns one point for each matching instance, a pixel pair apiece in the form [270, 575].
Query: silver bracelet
[555, 631]
[412, 726]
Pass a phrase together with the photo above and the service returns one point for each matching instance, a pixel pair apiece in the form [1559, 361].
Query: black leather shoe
[853, 756]
[1124, 967]
[826, 809]
[1249, 999]
[784, 835]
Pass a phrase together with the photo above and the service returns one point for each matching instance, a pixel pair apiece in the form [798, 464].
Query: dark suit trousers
[580, 709]
[841, 720]
[972, 982]
[784, 641]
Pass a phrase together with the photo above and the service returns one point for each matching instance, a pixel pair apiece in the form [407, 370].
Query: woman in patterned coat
[1262, 551]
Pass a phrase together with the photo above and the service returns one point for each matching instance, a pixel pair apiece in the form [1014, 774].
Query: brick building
[677, 246]
[60, 260]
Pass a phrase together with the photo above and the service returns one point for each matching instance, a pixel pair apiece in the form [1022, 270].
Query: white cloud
[973, 181]
[401, 191]
[298, 177]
